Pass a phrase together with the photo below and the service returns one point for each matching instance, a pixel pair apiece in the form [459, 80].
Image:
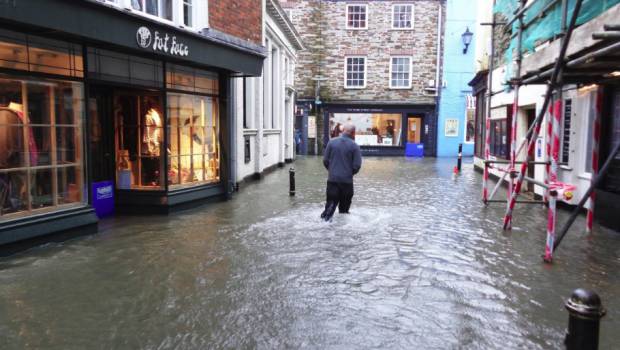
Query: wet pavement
[419, 263]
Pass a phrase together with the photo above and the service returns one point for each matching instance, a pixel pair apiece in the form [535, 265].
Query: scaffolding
[531, 23]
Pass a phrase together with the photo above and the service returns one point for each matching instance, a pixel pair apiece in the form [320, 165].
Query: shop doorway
[126, 143]
[414, 130]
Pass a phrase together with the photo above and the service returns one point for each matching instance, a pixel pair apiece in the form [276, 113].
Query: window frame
[366, 13]
[393, 13]
[410, 72]
[346, 66]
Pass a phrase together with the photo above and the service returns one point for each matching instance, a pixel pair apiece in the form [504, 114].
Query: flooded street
[419, 263]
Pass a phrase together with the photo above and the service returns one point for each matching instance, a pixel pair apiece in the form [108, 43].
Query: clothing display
[152, 133]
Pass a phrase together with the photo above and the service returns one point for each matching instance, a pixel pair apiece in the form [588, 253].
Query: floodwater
[419, 263]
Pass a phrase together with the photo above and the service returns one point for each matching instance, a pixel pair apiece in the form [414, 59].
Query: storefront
[131, 119]
[385, 130]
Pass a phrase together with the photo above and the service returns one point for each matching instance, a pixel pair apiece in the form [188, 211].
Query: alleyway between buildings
[419, 263]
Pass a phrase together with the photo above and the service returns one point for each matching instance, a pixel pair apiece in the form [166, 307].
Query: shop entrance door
[414, 128]
[102, 157]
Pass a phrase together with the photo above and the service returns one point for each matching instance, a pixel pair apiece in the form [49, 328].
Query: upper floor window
[400, 73]
[355, 76]
[402, 16]
[187, 13]
[159, 8]
[357, 16]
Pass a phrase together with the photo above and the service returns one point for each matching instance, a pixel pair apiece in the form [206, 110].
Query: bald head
[349, 129]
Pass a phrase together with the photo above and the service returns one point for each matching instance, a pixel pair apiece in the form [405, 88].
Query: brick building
[374, 63]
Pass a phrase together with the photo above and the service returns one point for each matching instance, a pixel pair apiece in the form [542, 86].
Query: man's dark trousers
[339, 194]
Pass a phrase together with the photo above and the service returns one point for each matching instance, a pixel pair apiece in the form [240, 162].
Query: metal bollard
[460, 161]
[585, 313]
[291, 177]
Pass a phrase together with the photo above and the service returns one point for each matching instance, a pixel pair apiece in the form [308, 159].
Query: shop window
[402, 16]
[41, 163]
[372, 129]
[121, 68]
[36, 54]
[400, 73]
[139, 141]
[470, 116]
[193, 137]
[191, 80]
[499, 138]
[357, 16]
[355, 76]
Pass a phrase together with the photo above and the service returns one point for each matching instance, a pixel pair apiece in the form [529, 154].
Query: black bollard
[585, 313]
[291, 177]
[460, 161]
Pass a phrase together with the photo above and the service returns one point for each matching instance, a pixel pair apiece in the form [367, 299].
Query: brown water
[419, 263]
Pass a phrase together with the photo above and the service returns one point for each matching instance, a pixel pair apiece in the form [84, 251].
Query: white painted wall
[269, 106]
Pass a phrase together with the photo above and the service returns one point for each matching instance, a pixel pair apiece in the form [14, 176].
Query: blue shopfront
[385, 130]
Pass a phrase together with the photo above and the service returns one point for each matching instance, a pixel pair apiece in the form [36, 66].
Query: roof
[276, 11]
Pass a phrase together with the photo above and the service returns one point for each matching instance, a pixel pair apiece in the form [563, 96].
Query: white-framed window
[157, 8]
[355, 72]
[357, 16]
[400, 72]
[402, 16]
[188, 13]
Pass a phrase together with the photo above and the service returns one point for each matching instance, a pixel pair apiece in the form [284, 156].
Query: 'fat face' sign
[161, 42]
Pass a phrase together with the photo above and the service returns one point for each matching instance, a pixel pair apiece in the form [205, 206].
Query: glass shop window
[191, 80]
[41, 163]
[139, 141]
[372, 129]
[499, 138]
[36, 54]
[193, 131]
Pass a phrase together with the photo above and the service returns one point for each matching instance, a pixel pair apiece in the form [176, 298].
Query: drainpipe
[438, 63]
[232, 136]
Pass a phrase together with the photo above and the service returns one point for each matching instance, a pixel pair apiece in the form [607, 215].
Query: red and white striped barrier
[548, 149]
[513, 196]
[595, 149]
[553, 178]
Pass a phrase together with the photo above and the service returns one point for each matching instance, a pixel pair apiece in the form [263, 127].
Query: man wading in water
[342, 159]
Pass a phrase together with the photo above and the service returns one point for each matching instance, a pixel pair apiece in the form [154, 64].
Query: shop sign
[103, 198]
[161, 42]
[451, 128]
[311, 127]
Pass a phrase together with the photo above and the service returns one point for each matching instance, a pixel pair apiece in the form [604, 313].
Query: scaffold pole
[595, 154]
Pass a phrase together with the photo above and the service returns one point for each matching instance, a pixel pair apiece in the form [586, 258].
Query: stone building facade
[391, 38]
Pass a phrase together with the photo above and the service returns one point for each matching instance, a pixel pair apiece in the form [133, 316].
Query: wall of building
[322, 25]
[241, 18]
[458, 70]
[268, 108]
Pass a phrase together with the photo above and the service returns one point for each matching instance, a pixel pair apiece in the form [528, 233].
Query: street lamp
[466, 37]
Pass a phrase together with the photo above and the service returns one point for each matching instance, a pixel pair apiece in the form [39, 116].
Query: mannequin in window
[152, 132]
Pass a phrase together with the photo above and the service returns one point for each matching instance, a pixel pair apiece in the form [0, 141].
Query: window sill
[401, 29]
[356, 29]
[400, 88]
[250, 132]
[272, 132]
[354, 88]
[585, 176]
[566, 167]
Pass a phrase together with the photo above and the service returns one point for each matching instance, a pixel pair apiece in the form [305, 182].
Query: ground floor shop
[385, 130]
[89, 129]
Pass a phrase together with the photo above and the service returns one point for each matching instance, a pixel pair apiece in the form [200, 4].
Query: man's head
[349, 129]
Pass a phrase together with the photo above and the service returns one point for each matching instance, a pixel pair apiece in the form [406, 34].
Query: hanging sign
[161, 42]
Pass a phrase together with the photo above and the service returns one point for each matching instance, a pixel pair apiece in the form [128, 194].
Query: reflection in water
[419, 263]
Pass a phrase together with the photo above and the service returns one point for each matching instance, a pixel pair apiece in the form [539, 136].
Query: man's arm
[357, 160]
[327, 155]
